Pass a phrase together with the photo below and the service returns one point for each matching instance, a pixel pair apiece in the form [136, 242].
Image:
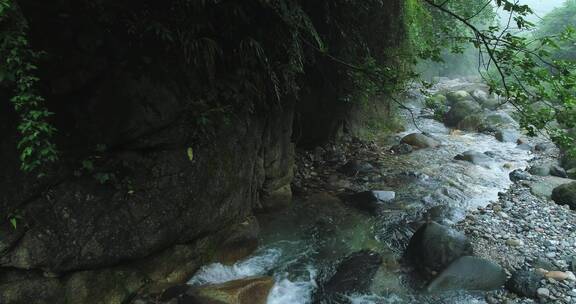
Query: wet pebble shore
[525, 232]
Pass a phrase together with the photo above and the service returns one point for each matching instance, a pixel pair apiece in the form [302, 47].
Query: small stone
[556, 275]
[514, 242]
[543, 292]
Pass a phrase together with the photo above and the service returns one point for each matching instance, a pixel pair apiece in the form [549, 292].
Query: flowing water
[302, 246]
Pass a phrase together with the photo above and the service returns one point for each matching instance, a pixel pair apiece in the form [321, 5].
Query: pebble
[543, 292]
[514, 242]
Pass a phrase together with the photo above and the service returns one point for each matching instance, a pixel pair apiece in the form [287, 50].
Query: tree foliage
[18, 68]
[521, 67]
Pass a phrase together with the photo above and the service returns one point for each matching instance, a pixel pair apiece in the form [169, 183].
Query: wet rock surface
[469, 273]
[433, 247]
[354, 275]
[420, 141]
[517, 231]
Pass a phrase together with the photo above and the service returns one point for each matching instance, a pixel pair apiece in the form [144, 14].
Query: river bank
[470, 180]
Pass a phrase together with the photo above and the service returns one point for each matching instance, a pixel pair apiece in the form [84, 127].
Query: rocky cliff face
[138, 200]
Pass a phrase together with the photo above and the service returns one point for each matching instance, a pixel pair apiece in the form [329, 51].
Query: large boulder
[498, 120]
[353, 275]
[420, 141]
[565, 195]
[480, 96]
[540, 170]
[460, 110]
[558, 171]
[433, 247]
[525, 283]
[545, 186]
[370, 201]
[473, 122]
[456, 96]
[469, 273]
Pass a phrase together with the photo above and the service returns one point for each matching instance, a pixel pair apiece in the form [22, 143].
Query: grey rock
[353, 275]
[474, 157]
[543, 147]
[540, 170]
[507, 135]
[459, 111]
[469, 273]
[519, 175]
[525, 283]
[546, 185]
[419, 141]
[565, 195]
[525, 147]
[457, 96]
[444, 215]
[370, 201]
[543, 292]
[434, 246]
[498, 120]
[556, 170]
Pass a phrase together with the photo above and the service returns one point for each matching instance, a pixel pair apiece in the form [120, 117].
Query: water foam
[254, 266]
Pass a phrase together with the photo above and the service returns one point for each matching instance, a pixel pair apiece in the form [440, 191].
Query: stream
[302, 246]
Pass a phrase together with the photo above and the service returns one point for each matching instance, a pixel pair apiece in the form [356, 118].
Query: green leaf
[190, 153]
[14, 222]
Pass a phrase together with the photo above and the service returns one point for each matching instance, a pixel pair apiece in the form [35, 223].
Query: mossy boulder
[456, 96]
[565, 195]
[461, 110]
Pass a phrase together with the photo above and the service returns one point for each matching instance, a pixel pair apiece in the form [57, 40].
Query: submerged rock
[370, 201]
[434, 246]
[543, 147]
[525, 283]
[525, 147]
[469, 273]
[565, 195]
[252, 290]
[444, 215]
[420, 141]
[474, 157]
[508, 135]
[353, 275]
